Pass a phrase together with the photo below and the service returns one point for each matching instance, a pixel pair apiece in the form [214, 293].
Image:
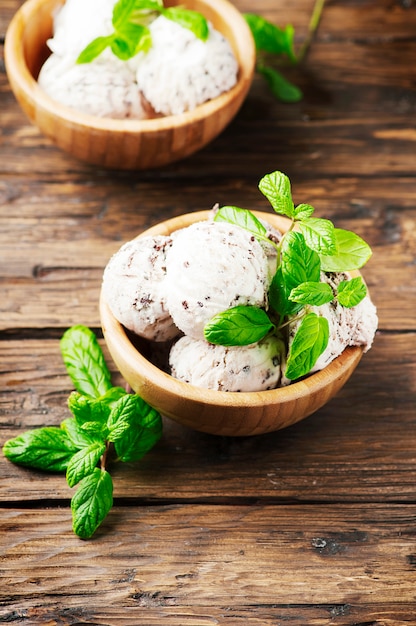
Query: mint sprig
[105, 420]
[309, 247]
[275, 46]
[131, 34]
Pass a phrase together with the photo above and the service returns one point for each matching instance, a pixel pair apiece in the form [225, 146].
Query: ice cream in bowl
[130, 85]
[237, 322]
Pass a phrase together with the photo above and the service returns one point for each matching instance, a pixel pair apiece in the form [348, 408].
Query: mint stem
[313, 27]
[103, 460]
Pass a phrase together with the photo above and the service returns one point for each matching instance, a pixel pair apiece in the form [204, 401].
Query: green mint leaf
[309, 343]
[312, 293]
[144, 432]
[280, 87]
[112, 396]
[77, 434]
[351, 292]
[299, 263]
[96, 430]
[192, 20]
[121, 417]
[130, 40]
[122, 11]
[83, 462]
[85, 362]
[86, 409]
[352, 253]
[279, 293]
[243, 218]
[303, 211]
[238, 326]
[47, 448]
[270, 38]
[319, 234]
[94, 49]
[91, 503]
[276, 188]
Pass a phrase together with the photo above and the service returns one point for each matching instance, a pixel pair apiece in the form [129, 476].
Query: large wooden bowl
[123, 144]
[220, 412]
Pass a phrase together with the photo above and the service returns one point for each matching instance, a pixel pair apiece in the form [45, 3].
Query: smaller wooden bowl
[123, 144]
[220, 412]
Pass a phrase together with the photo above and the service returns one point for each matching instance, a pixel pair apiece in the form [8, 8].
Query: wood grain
[212, 557]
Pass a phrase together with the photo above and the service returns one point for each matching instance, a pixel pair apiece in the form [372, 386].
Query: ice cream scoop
[256, 367]
[133, 287]
[106, 87]
[77, 22]
[181, 71]
[211, 267]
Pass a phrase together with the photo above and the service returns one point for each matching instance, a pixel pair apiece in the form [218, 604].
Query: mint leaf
[91, 503]
[48, 448]
[351, 292]
[319, 234]
[241, 217]
[276, 188]
[279, 293]
[83, 462]
[309, 343]
[130, 40]
[303, 211]
[280, 87]
[122, 11]
[143, 433]
[112, 396]
[84, 361]
[121, 417]
[192, 20]
[299, 263]
[77, 434]
[86, 409]
[312, 293]
[94, 49]
[270, 38]
[352, 252]
[238, 326]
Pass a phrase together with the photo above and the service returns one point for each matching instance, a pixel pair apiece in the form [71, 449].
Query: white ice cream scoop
[106, 87]
[256, 367]
[133, 287]
[211, 267]
[181, 71]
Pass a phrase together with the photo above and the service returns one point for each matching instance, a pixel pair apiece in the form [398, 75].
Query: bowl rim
[19, 73]
[150, 374]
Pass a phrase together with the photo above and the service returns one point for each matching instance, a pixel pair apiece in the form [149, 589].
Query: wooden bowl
[123, 144]
[221, 412]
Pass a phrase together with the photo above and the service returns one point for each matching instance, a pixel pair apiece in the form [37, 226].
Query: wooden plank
[359, 446]
[256, 558]
[152, 611]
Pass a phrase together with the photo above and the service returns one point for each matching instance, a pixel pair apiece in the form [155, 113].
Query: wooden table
[315, 524]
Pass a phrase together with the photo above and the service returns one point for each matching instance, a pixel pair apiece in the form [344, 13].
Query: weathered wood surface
[213, 558]
[312, 525]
